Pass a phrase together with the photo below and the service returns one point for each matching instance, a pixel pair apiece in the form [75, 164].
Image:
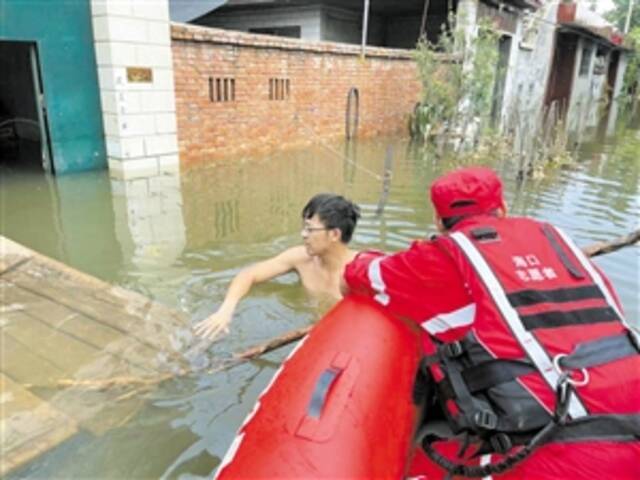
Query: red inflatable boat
[339, 407]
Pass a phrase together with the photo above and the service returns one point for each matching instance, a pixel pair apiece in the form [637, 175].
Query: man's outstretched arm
[240, 286]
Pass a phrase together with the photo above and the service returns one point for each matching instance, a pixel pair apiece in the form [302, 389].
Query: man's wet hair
[334, 211]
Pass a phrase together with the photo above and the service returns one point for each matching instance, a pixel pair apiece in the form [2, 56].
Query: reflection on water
[181, 239]
[68, 218]
[151, 232]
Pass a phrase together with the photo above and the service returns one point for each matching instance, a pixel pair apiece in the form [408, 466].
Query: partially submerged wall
[238, 93]
[136, 85]
[530, 74]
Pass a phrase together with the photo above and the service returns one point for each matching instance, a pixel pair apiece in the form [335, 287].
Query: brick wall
[319, 76]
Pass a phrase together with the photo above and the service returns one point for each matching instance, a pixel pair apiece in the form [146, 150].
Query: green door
[70, 99]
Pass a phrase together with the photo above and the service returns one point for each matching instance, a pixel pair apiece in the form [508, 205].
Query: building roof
[377, 7]
[383, 7]
[186, 10]
[578, 17]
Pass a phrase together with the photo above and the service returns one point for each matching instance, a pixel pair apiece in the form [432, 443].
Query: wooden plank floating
[64, 336]
[29, 426]
[12, 255]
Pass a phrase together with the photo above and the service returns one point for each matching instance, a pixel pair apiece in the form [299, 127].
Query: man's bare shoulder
[296, 256]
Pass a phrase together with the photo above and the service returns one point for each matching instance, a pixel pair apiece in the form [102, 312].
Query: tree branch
[601, 248]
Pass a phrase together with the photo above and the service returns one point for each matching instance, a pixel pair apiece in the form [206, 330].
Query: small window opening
[279, 89]
[585, 62]
[600, 63]
[222, 89]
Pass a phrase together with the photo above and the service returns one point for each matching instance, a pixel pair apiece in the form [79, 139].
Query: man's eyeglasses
[308, 229]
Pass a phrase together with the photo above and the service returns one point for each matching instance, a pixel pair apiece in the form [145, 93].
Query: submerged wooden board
[12, 255]
[29, 426]
[58, 318]
[65, 337]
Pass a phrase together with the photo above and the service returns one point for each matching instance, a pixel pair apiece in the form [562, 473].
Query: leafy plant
[457, 82]
[631, 89]
[618, 16]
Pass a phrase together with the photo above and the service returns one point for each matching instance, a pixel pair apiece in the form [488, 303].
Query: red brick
[320, 76]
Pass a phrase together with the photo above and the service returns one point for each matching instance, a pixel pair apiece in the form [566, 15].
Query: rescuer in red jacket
[526, 346]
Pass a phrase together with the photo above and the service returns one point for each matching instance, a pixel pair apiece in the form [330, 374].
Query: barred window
[222, 89]
[279, 89]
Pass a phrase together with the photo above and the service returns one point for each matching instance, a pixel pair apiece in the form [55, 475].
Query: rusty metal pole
[365, 26]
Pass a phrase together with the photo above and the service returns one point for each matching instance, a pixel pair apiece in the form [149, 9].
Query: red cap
[468, 191]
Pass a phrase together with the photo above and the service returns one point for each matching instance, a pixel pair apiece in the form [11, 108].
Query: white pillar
[467, 23]
[617, 89]
[466, 31]
[135, 69]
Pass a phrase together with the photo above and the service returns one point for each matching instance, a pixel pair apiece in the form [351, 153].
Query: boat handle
[319, 397]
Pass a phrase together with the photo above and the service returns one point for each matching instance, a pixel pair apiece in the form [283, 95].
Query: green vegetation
[618, 16]
[457, 82]
[631, 91]
[454, 119]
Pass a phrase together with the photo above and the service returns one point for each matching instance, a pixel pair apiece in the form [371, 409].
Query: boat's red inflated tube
[339, 407]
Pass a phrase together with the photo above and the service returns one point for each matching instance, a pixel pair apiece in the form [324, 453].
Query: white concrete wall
[617, 90]
[139, 118]
[531, 67]
[622, 69]
[309, 19]
[580, 93]
[510, 93]
[589, 92]
[467, 31]
[467, 22]
[531, 74]
[346, 27]
[317, 23]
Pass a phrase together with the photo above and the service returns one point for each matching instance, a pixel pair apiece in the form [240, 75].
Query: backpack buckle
[453, 350]
[501, 443]
[485, 419]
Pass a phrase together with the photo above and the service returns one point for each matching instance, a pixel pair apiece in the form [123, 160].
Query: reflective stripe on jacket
[539, 309]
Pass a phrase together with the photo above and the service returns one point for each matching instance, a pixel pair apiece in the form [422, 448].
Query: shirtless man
[328, 224]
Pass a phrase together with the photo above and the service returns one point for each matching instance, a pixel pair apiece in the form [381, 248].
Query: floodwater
[180, 240]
